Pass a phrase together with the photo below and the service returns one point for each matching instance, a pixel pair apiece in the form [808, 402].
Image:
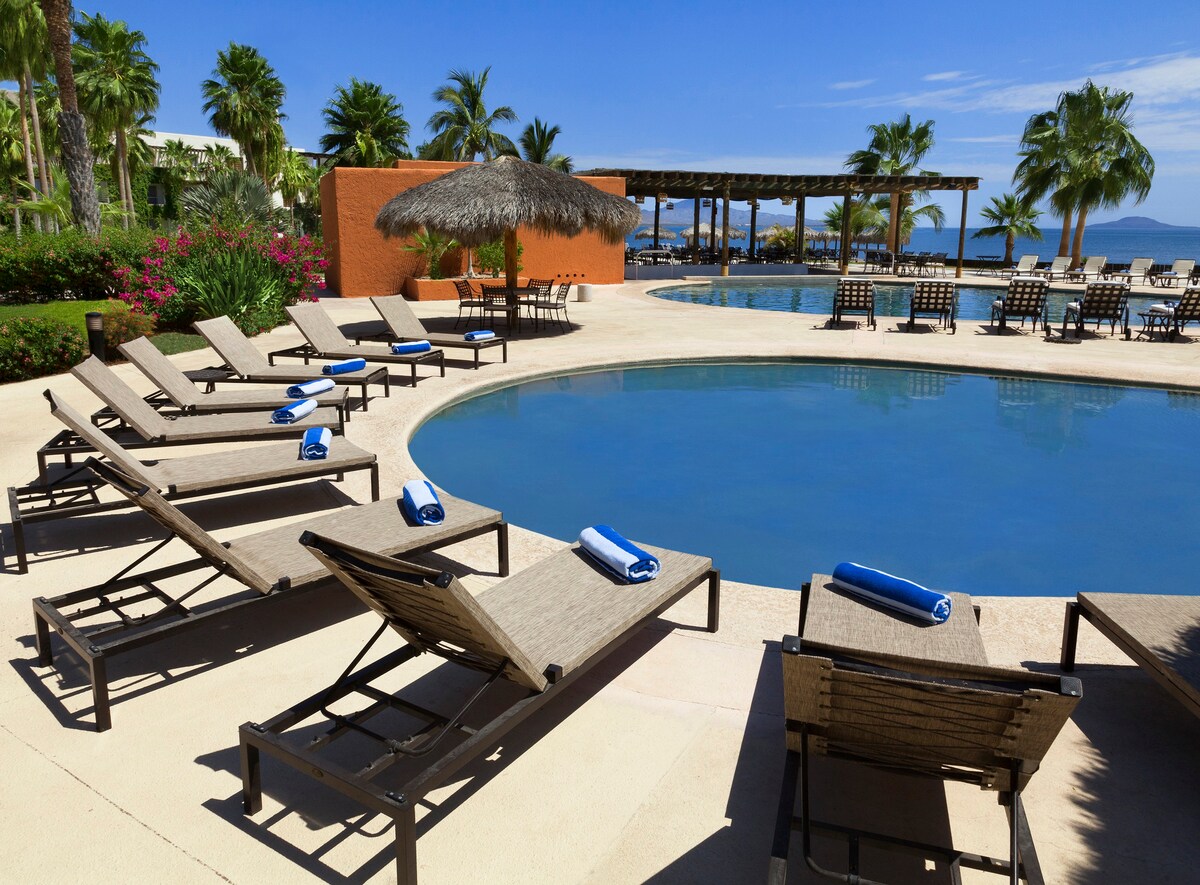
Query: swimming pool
[815, 295]
[990, 485]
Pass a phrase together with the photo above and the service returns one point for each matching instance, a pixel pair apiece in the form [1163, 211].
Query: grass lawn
[72, 312]
[178, 342]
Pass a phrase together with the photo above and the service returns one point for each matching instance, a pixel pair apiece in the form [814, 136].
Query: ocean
[1120, 246]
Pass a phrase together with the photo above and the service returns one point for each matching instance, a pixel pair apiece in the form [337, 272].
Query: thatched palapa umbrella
[647, 233]
[480, 203]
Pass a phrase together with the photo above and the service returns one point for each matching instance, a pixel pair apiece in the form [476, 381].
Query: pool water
[989, 485]
[815, 295]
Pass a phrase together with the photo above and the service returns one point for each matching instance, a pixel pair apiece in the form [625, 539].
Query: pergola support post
[798, 258]
[712, 227]
[725, 234]
[753, 225]
[962, 236]
[696, 230]
[844, 245]
[657, 210]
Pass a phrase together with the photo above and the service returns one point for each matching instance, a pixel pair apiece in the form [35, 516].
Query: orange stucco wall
[362, 262]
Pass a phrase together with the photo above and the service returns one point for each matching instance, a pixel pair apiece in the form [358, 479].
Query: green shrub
[238, 283]
[33, 346]
[121, 325]
[50, 267]
[489, 257]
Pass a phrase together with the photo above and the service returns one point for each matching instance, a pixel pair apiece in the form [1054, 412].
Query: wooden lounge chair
[325, 341]
[97, 625]
[853, 295]
[1138, 272]
[1024, 300]
[1181, 269]
[73, 490]
[245, 360]
[1058, 268]
[912, 699]
[1101, 302]
[530, 636]
[401, 324]
[1024, 266]
[1160, 633]
[179, 390]
[1093, 267]
[934, 298]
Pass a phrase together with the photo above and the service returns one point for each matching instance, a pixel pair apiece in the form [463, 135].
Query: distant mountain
[683, 214]
[1138, 222]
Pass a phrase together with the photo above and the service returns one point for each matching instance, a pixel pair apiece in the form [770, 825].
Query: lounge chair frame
[1139, 268]
[1181, 269]
[95, 646]
[853, 296]
[1025, 299]
[934, 298]
[1100, 303]
[1092, 267]
[399, 323]
[400, 802]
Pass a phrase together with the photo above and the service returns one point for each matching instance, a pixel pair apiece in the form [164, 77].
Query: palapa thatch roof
[647, 233]
[477, 204]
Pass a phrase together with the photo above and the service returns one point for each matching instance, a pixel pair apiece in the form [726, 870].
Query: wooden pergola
[662, 185]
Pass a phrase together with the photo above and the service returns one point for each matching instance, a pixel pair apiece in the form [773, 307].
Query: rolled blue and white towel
[421, 503]
[310, 388]
[1165, 308]
[343, 366]
[892, 592]
[411, 347]
[293, 412]
[618, 555]
[315, 444]
[481, 335]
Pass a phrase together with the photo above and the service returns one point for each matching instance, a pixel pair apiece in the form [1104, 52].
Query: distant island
[1138, 222]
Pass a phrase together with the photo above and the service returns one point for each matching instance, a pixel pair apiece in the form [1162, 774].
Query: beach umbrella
[484, 202]
[647, 233]
[707, 233]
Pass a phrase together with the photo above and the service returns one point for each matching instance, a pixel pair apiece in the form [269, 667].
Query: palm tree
[298, 178]
[1044, 169]
[178, 163]
[218, 156]
[537, 146]
[895, 149]
[24, 58]
[76, 155]
[1011, 216]
[243, 101]
[366, 126]
[116, 83]
[464, 129]
[12, 153]
[864, 217]
[231, 196]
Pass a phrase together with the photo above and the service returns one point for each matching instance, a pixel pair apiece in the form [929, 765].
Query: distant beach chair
[1139, 271]
[1024, 300]
[1092, 267]
[934, 298]
[1058, 268]
[853, 295]
[1025, 265]
[1101, 302]
[1181, 269]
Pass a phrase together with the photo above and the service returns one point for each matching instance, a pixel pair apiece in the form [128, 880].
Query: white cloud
[943, 75]
[851, 84]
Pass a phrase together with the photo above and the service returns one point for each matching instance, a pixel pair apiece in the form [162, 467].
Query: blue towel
[315, 445]
[481, 335]
[892, 592]
[411, 347]
[621, 557]
[293, 412]
[310, 388]
[421, 503]
[344, 366]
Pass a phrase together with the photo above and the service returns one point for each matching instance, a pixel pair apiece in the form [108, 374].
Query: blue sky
[767, 87]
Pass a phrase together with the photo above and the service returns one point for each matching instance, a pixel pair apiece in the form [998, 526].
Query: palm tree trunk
[1077, 246]
[16, 214]
[76, 154]
[114, 168]
[123, 160]
[1064, 239]
[35, 118]
[893, 240]
[29, 173]
[1010, 240]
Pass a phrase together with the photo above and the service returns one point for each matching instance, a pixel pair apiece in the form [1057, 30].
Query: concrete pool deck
[664, 766]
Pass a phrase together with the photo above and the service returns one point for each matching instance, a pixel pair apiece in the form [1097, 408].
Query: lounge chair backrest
[169, 516]
[1025, 295]
[98, 439]
[954, 722]
[134, 411]
[1140, 265]
[1095, 264]
[1061, 264]
[1102, 299]
[1188, 308]
[855, 294]
[153, 363]
[231, 345]
[399, 317]
[932, 295]
[317, 327]
[1183, 266]
[1027, 262]
[430, 609]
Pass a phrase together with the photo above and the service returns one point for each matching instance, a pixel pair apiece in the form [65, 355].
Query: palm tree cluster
[244, 100]
[1083, 155]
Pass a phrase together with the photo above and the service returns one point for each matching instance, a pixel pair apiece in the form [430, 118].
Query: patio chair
[1092, 267]
[1139, 271]
[326, 341]
[1181, 269]
[467, 300]
[853, 295]
[1024, 300]
[1058, 268]
[1101, 302]
[134, 608]
[934, 298]
[539, 293]
[554, 306]
[249, 365]
[498, 299]
[180, 391]
[401, 324]
[521, 643]
[1160, 633]
[73, 490]
[916, 700]
[1025, 264]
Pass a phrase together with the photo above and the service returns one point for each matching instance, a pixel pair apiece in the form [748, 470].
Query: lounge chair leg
[98, 670]
[251, 778]
[714, 600]
[1070, 637]
[18, 526]
[502, 549]
[777, 871]
[375, 481]
[406, 846]
[45, 651]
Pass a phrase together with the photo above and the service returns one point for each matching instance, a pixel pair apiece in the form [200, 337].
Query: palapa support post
[962, 236]
[510, 258]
